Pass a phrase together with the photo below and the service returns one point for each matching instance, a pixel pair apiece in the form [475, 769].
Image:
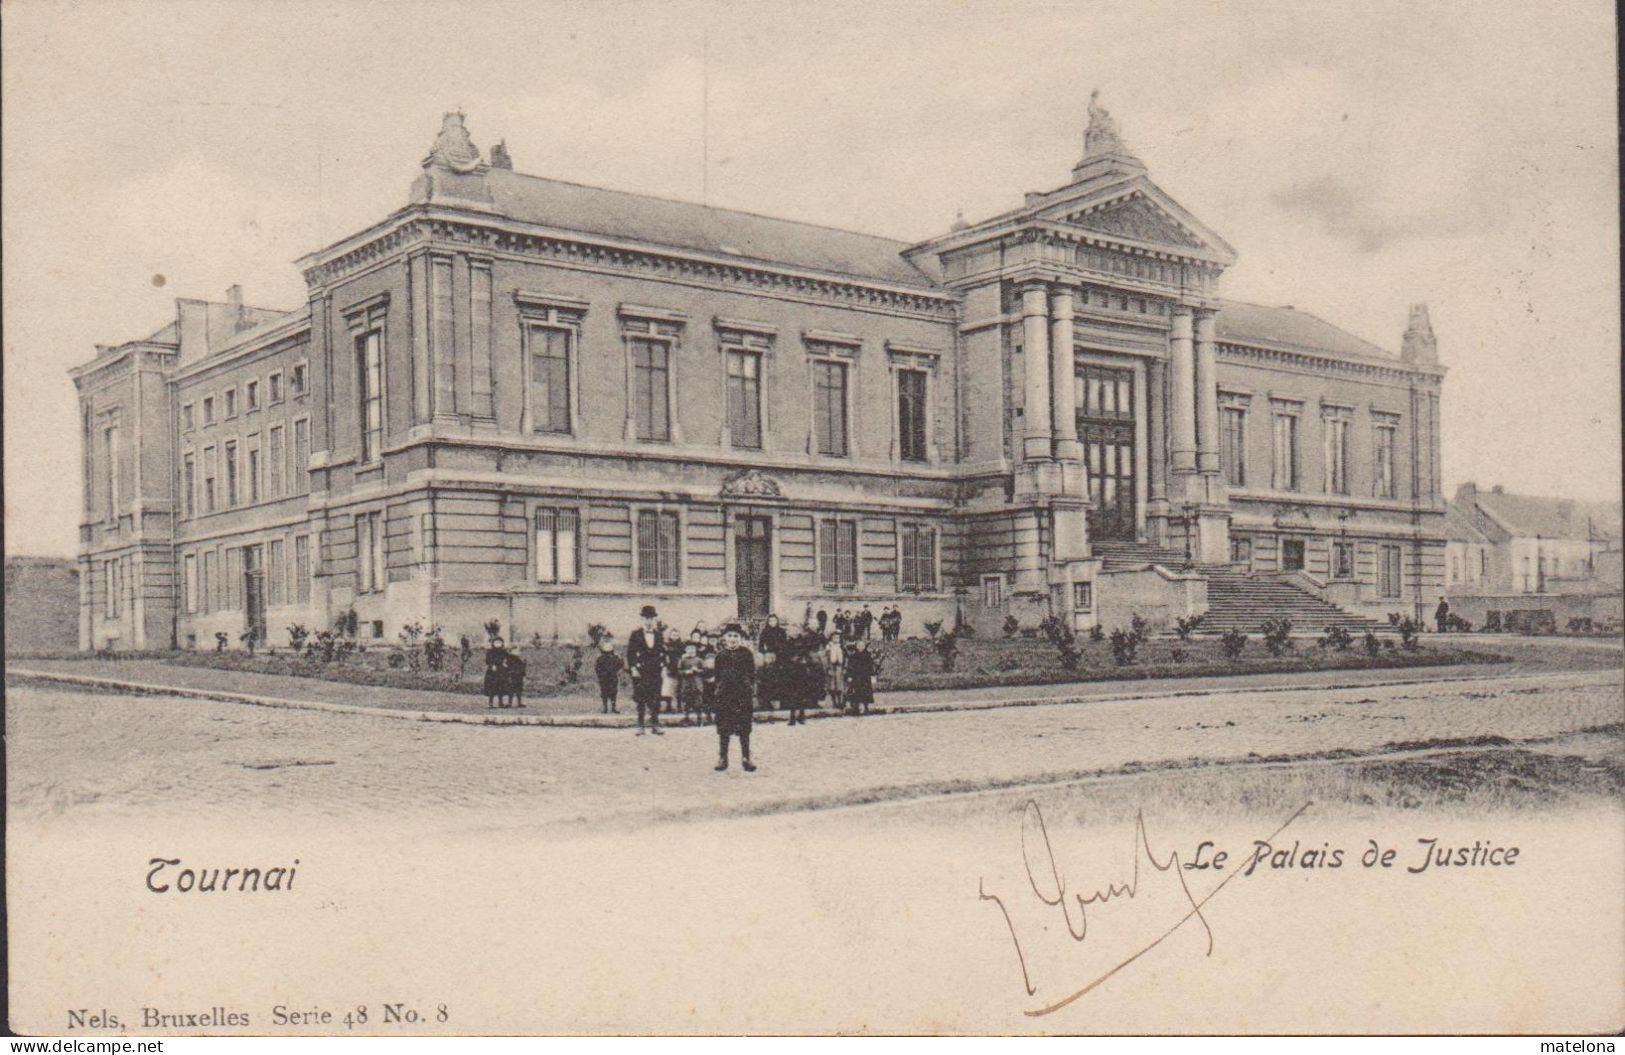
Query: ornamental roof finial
[453, 148]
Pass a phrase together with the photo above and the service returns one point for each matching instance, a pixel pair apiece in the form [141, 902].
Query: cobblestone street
[107, 755]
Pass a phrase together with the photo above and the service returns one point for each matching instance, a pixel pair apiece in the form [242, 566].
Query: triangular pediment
[1137, 212]
[1137, 219]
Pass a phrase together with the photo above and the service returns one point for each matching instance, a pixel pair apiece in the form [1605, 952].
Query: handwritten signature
[1050, 887]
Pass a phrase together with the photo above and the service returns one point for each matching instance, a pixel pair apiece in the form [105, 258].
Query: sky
[1359, 156]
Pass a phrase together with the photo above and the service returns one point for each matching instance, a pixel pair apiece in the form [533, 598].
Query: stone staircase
[1238, 600]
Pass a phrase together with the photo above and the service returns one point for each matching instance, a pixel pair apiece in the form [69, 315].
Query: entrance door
[254, 592]
[1106, 427]
[1292, 554]
[753, 553]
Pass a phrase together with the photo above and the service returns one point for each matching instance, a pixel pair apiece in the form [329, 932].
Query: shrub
[1277, 635]
[1408, 629]
[1177, 655]
[1337, 637]
[434, 649]
[1012, 626]
[1138, 629]
[1373, 644]
[947, 646]
[297, 634]
[933, 627]
[1065, 641]
[493, 629]
[1124, 645]
[1097, 633]
[1492, 623]
[1184, 627]
[572, 665]
[1233, 641]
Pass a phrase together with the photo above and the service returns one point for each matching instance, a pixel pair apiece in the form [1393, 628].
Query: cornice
[497, 236]
[1429, 376]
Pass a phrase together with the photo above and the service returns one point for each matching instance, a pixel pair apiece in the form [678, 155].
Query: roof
[1460, 526]
[1530, 516]
[687, 225]
[1243, 323]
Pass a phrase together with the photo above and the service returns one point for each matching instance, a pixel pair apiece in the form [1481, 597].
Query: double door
[753, 562]
[1106, 425]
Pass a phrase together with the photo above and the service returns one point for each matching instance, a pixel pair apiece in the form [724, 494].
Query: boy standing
[608, 668]
[736, 680]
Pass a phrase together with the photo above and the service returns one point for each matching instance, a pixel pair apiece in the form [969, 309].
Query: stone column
[1035, 444]
[1182, 399]
[1063, 381]
[1157, 415]
[1207, 394]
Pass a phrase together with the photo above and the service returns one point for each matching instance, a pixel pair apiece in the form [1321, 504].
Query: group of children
[796, 668]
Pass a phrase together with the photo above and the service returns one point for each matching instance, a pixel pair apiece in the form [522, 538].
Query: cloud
[1342, 210]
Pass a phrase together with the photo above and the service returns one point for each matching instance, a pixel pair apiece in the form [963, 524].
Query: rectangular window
[301, 456]
[745, 398]
[1388, 579]
[1233, 445]
[1335, 447]
[829, 408]
[550, 379]
[1083, 596]
[369, 359]
[188, 418]
[1292, 554]
[296, 381]
[208, 410]
[189, 484]
[1241, 551]
[251, 395]
[838, 554]
[557, 532]
[651, 382]
[189, 570]
[992, 591]
[231, 472]
[209, 468]
[1286, 453]
[211, 580]
[657, 548]
[253, 467]
[1342, 560]
[275, 457]
[369, 547]
[919, 551]
[110, 457]
[230, 396]
[301, 569]
[273, 387]
[911, 412]
[275, 571]
[234, 578]
[1384, 469]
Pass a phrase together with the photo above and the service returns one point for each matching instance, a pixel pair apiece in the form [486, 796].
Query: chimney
[499, 156]
[1419, 345]
[234, 299]
[1467, 492]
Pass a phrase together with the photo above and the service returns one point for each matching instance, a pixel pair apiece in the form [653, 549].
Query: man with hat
[645, 662]
[736, 679]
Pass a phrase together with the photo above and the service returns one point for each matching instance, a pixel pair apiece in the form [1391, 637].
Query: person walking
[860, 677]
[736, 682]
[645, 661]
[1441, 615]
[608, 668]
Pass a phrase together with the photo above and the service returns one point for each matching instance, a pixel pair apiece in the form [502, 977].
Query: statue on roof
[452, 147]
[1102, 136]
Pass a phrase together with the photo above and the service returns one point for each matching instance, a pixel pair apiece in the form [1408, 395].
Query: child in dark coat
[608, 668]
[860, 677]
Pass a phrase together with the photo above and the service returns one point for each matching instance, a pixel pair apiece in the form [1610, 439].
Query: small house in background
[1524, 561]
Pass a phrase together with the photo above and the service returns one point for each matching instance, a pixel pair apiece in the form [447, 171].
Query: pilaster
[1182, 398]
[1035, 443]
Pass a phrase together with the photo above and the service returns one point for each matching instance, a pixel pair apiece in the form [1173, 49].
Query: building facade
[528, 400]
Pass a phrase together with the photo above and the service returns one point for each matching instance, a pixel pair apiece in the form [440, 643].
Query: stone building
[545, 403]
